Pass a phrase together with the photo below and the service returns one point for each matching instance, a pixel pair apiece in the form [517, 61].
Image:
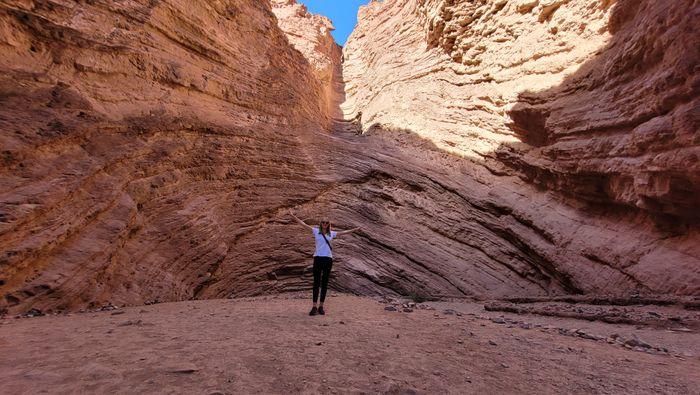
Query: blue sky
[343, 13]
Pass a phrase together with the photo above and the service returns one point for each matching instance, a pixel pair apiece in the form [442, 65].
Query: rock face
[607, 108]
[142, 144]
[510, 148]
[597, 101]
[310, 35]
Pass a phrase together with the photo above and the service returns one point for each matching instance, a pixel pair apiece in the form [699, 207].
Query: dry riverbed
[362, 345]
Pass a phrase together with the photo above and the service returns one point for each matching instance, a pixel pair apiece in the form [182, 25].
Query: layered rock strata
[604, 94]
[311, 35]
[141, 143]
[595, 101]
[510, 149]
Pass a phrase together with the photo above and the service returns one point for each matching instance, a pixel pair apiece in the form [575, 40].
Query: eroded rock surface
[510, 149]
[142, 143]
[604, 94]
[597, 101]
[311, 35]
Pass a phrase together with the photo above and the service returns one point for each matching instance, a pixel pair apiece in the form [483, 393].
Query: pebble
[33, 313]
[636, 343]
[407, 310]
[129, 323]
[591, 337]
[108, 307]
[390, 308]
[681, 329]
[493, 343]
[183, 371]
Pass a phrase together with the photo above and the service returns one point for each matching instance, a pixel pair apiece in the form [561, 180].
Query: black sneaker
[314, 311]
[321, 311]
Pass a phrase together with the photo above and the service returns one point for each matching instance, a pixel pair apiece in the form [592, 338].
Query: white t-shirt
[322, 248]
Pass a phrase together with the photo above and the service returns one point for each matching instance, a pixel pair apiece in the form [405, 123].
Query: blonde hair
[328, 229]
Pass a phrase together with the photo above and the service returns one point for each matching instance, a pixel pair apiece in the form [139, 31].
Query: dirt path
[261, 345]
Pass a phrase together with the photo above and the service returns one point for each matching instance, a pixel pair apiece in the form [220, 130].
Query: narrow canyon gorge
[488, 149]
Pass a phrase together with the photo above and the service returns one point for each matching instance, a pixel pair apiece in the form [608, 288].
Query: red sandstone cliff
[311, 35]
[597, 101]
[604, 94]
[511, 148]
[141, 143]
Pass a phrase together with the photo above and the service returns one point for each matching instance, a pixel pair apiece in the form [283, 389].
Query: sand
[271, 345]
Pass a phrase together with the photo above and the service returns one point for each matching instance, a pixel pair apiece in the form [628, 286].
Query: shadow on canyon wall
[169, 207]
[636, 103]
[562, 114]
[431, 230]
[102, 206]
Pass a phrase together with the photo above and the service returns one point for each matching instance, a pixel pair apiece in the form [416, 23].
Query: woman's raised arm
[302, 223]
[345, 232]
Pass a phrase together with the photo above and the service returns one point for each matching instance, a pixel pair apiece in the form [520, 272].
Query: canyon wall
[311, 35]
[567, 132]
[487, 149]
[141, 143]
[603, 94]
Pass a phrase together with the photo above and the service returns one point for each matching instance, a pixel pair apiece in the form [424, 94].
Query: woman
[323, 258]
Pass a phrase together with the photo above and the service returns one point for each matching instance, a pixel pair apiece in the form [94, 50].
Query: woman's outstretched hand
[302, 223]
[291, 214]
[345, 232]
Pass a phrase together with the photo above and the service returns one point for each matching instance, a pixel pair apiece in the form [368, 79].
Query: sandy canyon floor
[271, 345]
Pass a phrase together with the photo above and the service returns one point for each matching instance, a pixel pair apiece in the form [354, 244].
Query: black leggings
[322, 270]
